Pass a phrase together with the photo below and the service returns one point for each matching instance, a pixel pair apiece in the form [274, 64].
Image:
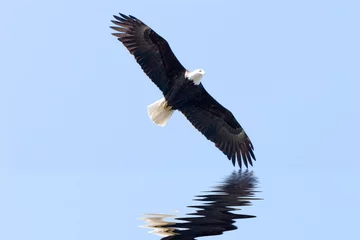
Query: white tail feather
[158, 112]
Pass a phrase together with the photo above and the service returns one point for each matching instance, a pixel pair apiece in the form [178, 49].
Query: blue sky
[80, 158]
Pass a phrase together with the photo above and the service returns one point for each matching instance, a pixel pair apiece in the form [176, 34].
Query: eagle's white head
[195, 75]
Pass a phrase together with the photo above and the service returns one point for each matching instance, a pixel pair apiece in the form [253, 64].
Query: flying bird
[182, 90]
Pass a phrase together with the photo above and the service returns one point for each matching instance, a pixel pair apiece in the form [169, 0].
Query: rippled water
[214, 213]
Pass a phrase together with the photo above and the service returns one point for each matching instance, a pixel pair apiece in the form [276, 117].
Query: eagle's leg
[167, 106]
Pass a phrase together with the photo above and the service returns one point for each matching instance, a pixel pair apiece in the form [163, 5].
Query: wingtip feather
[239, 159]
[124, 16]
[244, 159]
[118, 18]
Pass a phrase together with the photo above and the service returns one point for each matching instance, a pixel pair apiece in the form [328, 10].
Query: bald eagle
[182, 90]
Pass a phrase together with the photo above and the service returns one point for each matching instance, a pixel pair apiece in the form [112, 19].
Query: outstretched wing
[150, 50]
[219, 125]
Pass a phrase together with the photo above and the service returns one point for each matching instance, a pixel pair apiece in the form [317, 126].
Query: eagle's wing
[150, 50]
[219, 125]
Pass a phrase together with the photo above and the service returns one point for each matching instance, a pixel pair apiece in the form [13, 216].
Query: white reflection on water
[158, 225]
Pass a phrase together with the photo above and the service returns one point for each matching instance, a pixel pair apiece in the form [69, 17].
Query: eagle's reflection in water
[214, 213]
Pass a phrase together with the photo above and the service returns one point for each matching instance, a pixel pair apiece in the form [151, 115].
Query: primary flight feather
[182, 90]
